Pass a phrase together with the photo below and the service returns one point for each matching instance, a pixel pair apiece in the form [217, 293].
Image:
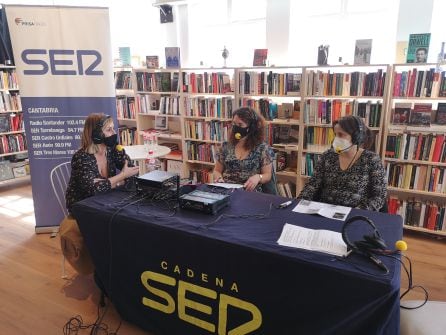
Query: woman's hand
[129, 171]
[252, 182]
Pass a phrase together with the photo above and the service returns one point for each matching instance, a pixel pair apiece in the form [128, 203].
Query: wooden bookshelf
[413, 147]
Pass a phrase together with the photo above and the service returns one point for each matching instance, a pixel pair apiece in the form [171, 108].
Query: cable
[410, 286]
[242, 216]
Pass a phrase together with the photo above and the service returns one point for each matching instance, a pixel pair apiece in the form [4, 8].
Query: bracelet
[261, 177]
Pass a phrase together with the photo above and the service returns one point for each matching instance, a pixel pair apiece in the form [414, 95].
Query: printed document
[326, 241]
[226, 185]
[323, 209]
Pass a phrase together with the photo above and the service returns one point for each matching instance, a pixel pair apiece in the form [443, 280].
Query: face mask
[111, 141]
[341, 144]
[239, 132]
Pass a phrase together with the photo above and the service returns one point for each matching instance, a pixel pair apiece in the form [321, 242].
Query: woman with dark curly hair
[348, 174]
[245, 159]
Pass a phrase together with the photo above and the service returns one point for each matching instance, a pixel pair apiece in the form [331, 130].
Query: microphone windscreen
[401, 245]
[238, 136]
[119, 147]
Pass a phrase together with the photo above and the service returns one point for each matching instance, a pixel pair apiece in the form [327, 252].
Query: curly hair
[256, 125]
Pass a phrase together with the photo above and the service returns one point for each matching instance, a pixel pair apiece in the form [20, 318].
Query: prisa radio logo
[29, 23]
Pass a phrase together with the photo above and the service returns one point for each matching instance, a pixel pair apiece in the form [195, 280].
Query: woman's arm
[377, 187]
[218, 171]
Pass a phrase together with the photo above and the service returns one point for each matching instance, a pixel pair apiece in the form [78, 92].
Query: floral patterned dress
[84, 169]
[239, 170]
[362, 185]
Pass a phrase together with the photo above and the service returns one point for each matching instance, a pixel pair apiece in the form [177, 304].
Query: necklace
[353, 159]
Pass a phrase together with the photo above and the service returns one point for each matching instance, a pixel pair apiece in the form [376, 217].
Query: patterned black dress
[237, 170]
[362, 185]
[84, 169]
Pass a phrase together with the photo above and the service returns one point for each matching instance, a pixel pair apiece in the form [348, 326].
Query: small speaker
[166, 14]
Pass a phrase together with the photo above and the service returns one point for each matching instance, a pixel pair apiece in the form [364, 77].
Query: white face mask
[341, 144]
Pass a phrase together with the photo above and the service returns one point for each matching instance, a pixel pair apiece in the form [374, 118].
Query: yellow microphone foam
[238, 136]
[401, 245]
[119, 147]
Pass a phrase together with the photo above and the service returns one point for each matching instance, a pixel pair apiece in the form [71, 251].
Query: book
[260, 56]
[440, 117]
[152, 62]
[421, 114]
[363, 51]
[418, 48]
[401, 113]
[322, 55]
[172, 57]
[124, 56]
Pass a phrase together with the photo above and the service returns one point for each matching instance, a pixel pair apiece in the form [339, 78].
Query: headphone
[97, 135]
[369, 242]
[358, 135]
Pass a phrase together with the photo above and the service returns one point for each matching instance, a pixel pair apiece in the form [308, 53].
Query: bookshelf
[125, 106]
[207, 99]
[276, 93]
[331, 92]
[13, 146]
[414, 148]
[158, 111]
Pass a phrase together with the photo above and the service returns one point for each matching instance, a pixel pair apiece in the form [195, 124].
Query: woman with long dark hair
[245, 159]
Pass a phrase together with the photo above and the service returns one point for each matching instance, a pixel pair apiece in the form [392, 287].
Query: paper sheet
[326, 241]
[226, 185]
[323, 209]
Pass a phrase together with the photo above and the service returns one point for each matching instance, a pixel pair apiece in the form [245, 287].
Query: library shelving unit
[414, 147]
[331, 92]
[125, 106]
[12, 132]
[158, 110]
[276, 93]
[207, 101]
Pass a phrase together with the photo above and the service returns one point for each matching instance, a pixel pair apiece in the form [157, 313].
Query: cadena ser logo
[168, 292]
[28, 23]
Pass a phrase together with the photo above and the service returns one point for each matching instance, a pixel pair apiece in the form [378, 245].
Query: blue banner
[65, 73]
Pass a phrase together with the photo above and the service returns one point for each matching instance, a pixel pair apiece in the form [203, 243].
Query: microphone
[237, 136]
[401, 245]
[119, 147]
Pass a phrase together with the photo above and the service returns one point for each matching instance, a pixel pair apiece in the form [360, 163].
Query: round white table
[141, 152]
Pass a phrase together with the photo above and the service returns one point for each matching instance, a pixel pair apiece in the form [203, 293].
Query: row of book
[416, 213]
[416, 177]
[127, 136]
[125, 107]
[255, 83]
[309, 162]
[123, 80]
[10, 102]
[9, 80]
[420, 114]
[215, 82]
[203, 152]
[12, 143]
[210, 131]
[157, 81]
[318, 136]
[416, 146]
[11, 122]
[419, 83]
[221, 107]
[346, 84]
[267, 108]
[318, 111]
[286, 189]
[201, 176]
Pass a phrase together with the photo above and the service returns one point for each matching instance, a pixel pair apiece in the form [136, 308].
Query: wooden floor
[35, 300]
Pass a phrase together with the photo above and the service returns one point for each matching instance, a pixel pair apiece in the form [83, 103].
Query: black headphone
[370, 242]
[97, 135]
[358, 135]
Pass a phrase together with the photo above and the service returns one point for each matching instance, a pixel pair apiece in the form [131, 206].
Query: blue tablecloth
[183, 272]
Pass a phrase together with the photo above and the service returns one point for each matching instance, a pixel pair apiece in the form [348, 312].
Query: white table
[140, 151]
